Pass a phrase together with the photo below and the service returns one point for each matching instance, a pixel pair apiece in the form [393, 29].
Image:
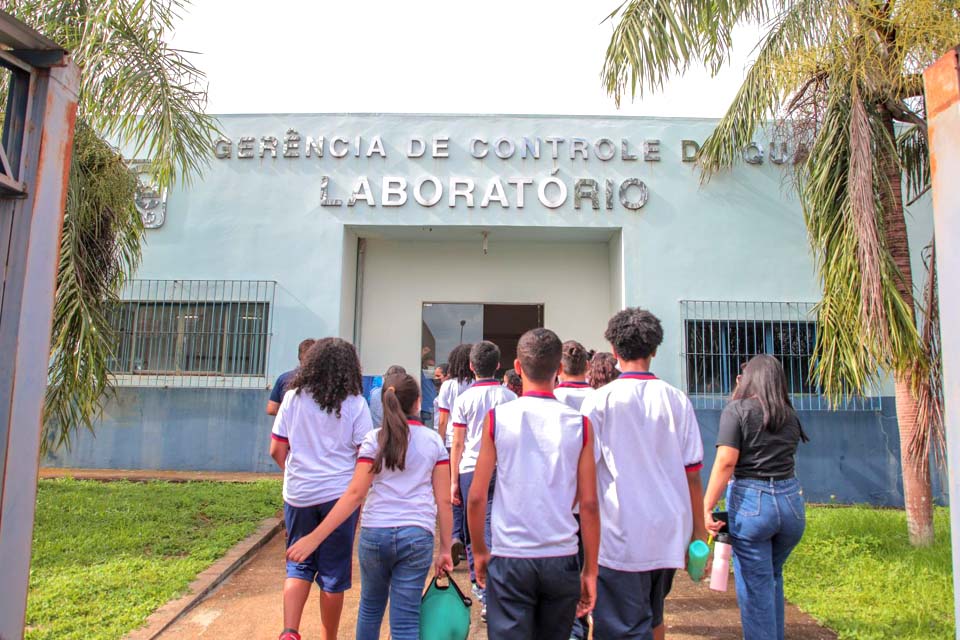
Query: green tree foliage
[146, 98]
[841, 80]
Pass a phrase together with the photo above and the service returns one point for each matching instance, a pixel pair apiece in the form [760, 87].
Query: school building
[409, 233]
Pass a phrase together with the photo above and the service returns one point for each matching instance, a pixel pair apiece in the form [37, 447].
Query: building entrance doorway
[412, 294]
[445, 325]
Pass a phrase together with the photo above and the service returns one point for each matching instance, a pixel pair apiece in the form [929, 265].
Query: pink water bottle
[720, 572]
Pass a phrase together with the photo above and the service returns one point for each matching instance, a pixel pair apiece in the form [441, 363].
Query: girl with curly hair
[460, 378]
[402, 480]
[321, 422]
[602, 369]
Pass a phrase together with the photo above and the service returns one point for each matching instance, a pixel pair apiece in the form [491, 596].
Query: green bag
[444, 612]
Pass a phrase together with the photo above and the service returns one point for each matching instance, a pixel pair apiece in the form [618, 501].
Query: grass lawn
[857, 574]
[106, 555]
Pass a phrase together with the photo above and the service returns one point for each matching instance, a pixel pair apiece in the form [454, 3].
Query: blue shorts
[332, 563]
[630, 603]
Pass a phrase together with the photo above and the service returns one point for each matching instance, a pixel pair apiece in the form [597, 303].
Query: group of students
[574, 498]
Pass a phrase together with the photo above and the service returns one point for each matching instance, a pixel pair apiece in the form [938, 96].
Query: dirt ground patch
[248, 605]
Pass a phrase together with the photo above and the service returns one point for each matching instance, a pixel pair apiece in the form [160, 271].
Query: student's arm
[589, 522]
[729, 441]
[276, 396]
[723, 466]
[456, 452]
[477, 502]
[278, 451]
[696, 501]
[280, 435]
[692, 444]
[442, 423]
[441, 493]
[346, 505]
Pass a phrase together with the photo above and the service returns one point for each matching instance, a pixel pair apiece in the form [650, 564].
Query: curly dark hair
[513, 381]
[460, 363]
[602, 369]
[330, 374]
[635, 333]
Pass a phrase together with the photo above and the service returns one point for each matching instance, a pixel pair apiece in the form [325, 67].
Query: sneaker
[477, 592]
[483, 613]
[289, 634]
[458, 552]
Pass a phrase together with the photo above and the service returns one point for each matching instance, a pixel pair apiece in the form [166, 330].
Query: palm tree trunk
[917, 493]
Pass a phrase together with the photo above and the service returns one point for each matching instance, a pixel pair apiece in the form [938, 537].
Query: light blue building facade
[408, 233]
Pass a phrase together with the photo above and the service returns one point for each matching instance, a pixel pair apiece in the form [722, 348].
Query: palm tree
[136, 93]
[841, 79]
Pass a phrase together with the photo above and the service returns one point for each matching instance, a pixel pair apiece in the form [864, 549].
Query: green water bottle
[697, 554]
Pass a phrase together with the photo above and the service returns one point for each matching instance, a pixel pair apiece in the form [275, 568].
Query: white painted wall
[571, 280]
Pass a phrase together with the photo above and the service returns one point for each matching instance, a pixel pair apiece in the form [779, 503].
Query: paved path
[248, 606]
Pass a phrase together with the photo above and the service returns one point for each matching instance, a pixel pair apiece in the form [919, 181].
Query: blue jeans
[466, 481]
[394, 562]
[459, 517]
[767, 519]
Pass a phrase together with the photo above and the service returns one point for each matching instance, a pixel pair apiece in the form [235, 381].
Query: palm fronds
[146, 97]
[100, 244]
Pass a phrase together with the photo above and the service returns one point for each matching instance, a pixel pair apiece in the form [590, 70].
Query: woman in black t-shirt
[757, 445]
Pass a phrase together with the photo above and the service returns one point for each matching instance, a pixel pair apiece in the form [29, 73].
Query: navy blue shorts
[630, 603]
[332, 563]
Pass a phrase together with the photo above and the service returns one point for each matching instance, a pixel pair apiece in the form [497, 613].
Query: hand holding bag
[444, 611]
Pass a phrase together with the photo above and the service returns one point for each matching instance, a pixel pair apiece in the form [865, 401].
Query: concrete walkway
[248, 605]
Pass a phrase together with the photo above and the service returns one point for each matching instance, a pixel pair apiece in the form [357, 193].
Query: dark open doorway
[445, 325]
[503, 324]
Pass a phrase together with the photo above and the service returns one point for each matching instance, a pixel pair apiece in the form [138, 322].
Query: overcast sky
[427, 56]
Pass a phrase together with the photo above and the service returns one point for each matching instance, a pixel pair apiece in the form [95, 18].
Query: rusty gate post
[34, 168]
[942, 85]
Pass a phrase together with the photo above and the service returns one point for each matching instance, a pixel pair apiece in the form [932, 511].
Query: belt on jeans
[785, 476]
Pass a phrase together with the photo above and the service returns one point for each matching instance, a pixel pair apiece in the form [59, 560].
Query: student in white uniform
[459, 379]
[320, 423]
[403, 473]
[648, 475]
[543, 454]
[571, 391]
[469, 412]
[573, 387]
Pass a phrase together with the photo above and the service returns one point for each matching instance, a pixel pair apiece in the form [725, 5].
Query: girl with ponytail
[403, 473]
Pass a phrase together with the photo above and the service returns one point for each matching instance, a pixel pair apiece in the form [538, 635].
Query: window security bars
[720, 336]
[193, 333]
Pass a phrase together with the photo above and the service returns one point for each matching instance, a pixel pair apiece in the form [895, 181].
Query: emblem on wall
[151, 200]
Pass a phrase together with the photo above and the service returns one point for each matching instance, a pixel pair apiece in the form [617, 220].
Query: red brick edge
[208, 580]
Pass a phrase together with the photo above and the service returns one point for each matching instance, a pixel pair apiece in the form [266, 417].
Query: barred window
[193, 333]
[719, 337]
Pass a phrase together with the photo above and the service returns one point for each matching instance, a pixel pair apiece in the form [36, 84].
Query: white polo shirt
[469, 412]
[404, 498]
[647, 437]
[572, 393]
[538, 441]
[323, 447]
[447, 398]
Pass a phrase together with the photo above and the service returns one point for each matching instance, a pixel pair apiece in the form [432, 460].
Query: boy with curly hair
[648, 479]
[321, 422]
